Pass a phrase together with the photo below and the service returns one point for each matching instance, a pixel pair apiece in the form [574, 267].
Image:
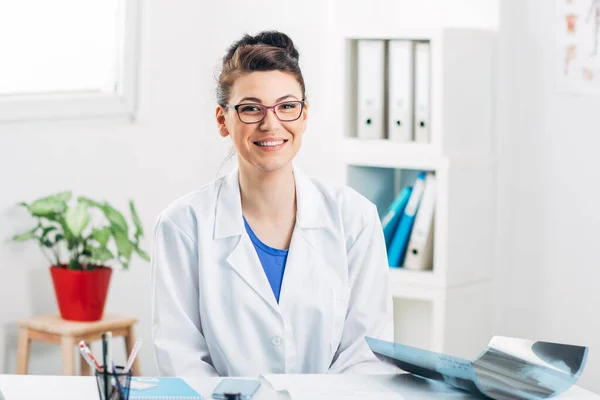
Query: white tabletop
[399, 386]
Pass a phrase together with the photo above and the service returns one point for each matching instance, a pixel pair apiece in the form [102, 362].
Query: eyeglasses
[253, 113]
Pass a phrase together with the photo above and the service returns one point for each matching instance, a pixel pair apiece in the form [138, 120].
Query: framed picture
[578, 46]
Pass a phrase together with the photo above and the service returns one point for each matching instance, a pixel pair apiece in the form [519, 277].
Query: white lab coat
[214, 312]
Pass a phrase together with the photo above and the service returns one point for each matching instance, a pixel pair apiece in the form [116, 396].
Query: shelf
[418, 285]
[431, 308]
[423, 285]
[391, 154]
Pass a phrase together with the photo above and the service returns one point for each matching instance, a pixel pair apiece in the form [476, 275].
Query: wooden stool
[55, 330]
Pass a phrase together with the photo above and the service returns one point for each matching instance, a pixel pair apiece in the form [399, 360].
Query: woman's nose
[270, 121]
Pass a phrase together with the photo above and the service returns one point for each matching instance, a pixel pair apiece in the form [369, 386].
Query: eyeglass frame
[266, 108]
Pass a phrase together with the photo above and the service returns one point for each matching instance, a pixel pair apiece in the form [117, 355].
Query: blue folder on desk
[150, 388]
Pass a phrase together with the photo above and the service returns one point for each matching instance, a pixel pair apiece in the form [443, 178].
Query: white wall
[547, 273]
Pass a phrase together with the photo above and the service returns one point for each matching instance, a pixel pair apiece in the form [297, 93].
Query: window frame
[54, 106]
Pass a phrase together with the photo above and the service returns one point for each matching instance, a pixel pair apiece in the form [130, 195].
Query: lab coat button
[276, 341]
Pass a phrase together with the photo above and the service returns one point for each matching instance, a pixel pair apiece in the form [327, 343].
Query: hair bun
[278, 39]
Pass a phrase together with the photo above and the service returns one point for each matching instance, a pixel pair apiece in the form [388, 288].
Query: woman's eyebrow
[257, 100]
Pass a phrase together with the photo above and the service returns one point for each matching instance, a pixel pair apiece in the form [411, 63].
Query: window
[68, 58]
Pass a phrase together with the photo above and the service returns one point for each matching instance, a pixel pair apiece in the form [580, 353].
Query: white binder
[422, 93]
[419, 253]
[400, 94]
[370, 91]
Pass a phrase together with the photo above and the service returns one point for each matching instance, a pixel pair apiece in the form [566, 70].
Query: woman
[266, 270]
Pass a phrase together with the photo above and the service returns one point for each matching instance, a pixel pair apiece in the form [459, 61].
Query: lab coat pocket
[340, 297]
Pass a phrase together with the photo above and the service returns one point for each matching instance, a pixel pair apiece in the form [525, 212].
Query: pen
[87, 355]
[118, 382]
[109, 351]
[105, 366]
[134, 351]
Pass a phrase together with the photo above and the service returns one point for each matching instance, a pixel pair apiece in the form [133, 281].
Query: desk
[408, 387]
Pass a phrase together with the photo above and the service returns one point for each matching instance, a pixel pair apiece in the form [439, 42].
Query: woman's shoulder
[341, 195]
[191, 206]
[349, 211]
[352, 208]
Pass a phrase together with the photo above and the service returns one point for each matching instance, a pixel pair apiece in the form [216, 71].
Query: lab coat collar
[311, 208]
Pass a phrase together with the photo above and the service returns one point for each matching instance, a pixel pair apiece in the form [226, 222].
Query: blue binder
[394, 213]
[397, 249]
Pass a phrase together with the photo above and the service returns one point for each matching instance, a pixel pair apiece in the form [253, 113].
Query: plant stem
[55, 251]
[46, 256]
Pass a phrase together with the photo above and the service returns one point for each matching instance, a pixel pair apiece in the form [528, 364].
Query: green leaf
[25, 236]
[115, 218]
[101, 254]
[65, 227]
[74, 264]
[59, 237]
[77, 218]
[64, 196]
[47, 230]
[139, 231]
[124, 263]
[101, 235]
[47, 206]
[142, 253]
[90, 202]
[46, 243]
[124, 245]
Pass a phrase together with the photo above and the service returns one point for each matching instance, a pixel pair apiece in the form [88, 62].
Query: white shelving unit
[446, 309]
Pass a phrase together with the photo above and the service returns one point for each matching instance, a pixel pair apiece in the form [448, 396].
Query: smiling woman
[266, 270]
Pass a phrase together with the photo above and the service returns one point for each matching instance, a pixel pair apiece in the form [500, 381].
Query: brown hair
[267, 51]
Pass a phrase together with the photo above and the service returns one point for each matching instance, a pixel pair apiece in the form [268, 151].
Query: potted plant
[80, 238]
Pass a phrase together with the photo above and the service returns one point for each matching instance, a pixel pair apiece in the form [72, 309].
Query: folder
[158, 388]
[419, 255]
[400, 94]
[399, 243]
[392, 217]
[422, 92]
[370, 90]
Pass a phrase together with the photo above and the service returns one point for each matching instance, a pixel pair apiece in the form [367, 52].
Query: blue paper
[167, 388]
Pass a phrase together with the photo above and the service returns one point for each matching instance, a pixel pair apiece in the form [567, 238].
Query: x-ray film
[509, 368]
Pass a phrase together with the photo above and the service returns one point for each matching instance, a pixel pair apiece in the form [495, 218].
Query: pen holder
[113, 385]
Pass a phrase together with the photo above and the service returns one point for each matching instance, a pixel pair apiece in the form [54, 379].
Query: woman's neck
[268, 195]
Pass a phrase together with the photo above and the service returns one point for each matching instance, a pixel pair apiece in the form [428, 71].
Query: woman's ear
[305, 112]
[220, 115]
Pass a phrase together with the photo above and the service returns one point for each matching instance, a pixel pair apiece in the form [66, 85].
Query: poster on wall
[578, 46]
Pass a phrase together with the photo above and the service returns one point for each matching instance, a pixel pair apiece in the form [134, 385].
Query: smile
[271, 143]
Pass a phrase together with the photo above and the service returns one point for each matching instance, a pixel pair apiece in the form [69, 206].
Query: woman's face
[270, 144]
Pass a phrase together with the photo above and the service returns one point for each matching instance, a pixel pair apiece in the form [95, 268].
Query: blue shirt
[272, 260]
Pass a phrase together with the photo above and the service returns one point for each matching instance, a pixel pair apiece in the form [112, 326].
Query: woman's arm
[176, 327]
[370, 305]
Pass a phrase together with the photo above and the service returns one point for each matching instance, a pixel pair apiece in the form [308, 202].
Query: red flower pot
[81, 295]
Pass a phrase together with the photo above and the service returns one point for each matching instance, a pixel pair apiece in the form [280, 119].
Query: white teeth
[268, 144]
